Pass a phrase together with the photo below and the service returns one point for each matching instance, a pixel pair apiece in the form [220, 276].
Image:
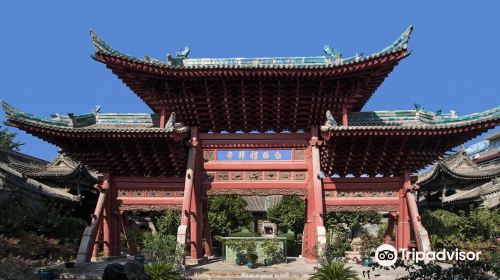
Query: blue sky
[46, 67]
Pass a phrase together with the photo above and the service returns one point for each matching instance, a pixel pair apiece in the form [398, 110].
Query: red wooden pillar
[196, 225]
[403, 236]
[106, 221]
[116, 223]
[390, 229]
[196, 211]
[207, 234]
[189, 184]
[314, 230]
[111, 225]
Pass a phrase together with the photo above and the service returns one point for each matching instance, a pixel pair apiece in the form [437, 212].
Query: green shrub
[237, 245]
[334, 249]
[335, 270]
[168, 222]
[41, 219]
[34, 247]
[70, 229]
[162, 271]
[161, 247]
[368, 244]
[270, 248]
[464, 230]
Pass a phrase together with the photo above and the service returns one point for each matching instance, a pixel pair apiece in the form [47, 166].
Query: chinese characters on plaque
[261, 155]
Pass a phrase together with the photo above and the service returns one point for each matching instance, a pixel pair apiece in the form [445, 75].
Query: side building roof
[458, 166]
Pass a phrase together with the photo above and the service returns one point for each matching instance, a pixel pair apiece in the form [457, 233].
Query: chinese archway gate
[254, 126]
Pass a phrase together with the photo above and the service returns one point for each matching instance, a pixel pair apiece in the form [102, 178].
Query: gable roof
[458, 166]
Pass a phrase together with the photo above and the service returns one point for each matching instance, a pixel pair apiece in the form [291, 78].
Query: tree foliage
[19, 216]
[335, 221]
[465, 229]
[168, 222]
[7, 139]
[227, 213]
[289, 214]
[161, 247]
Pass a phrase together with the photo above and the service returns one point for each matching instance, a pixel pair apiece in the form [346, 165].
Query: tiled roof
[412, 119]
[14, 179]
[488, 192]
[96, 122]
[61, 166]
[332, 58]
[459, 166]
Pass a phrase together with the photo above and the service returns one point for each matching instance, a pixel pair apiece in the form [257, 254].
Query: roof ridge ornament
[179, 57]
[329, 123]
[172, 126]
[401, 42]
[332, 54]
[99, 44]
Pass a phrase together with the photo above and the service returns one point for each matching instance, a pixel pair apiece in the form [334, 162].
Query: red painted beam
[365, 180]
[253, 136]
[362, 201]
[149, 200]
[246, 165]
[148, 179]
[257, 185]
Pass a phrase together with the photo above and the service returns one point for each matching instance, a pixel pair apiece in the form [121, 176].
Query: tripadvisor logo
[387, 255]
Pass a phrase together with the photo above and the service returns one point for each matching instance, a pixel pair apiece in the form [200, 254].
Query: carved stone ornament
[131, 207]
[299, 176]
[237, 176]
[285, 175]
[254, 175]
[253, 192]
[270, 175]
[222, 176]
[361, 208]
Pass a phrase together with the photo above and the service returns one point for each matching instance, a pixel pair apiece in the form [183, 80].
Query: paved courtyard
[296, 268]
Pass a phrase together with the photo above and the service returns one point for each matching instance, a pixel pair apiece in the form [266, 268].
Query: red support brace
[90, 234]
[131, 246]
